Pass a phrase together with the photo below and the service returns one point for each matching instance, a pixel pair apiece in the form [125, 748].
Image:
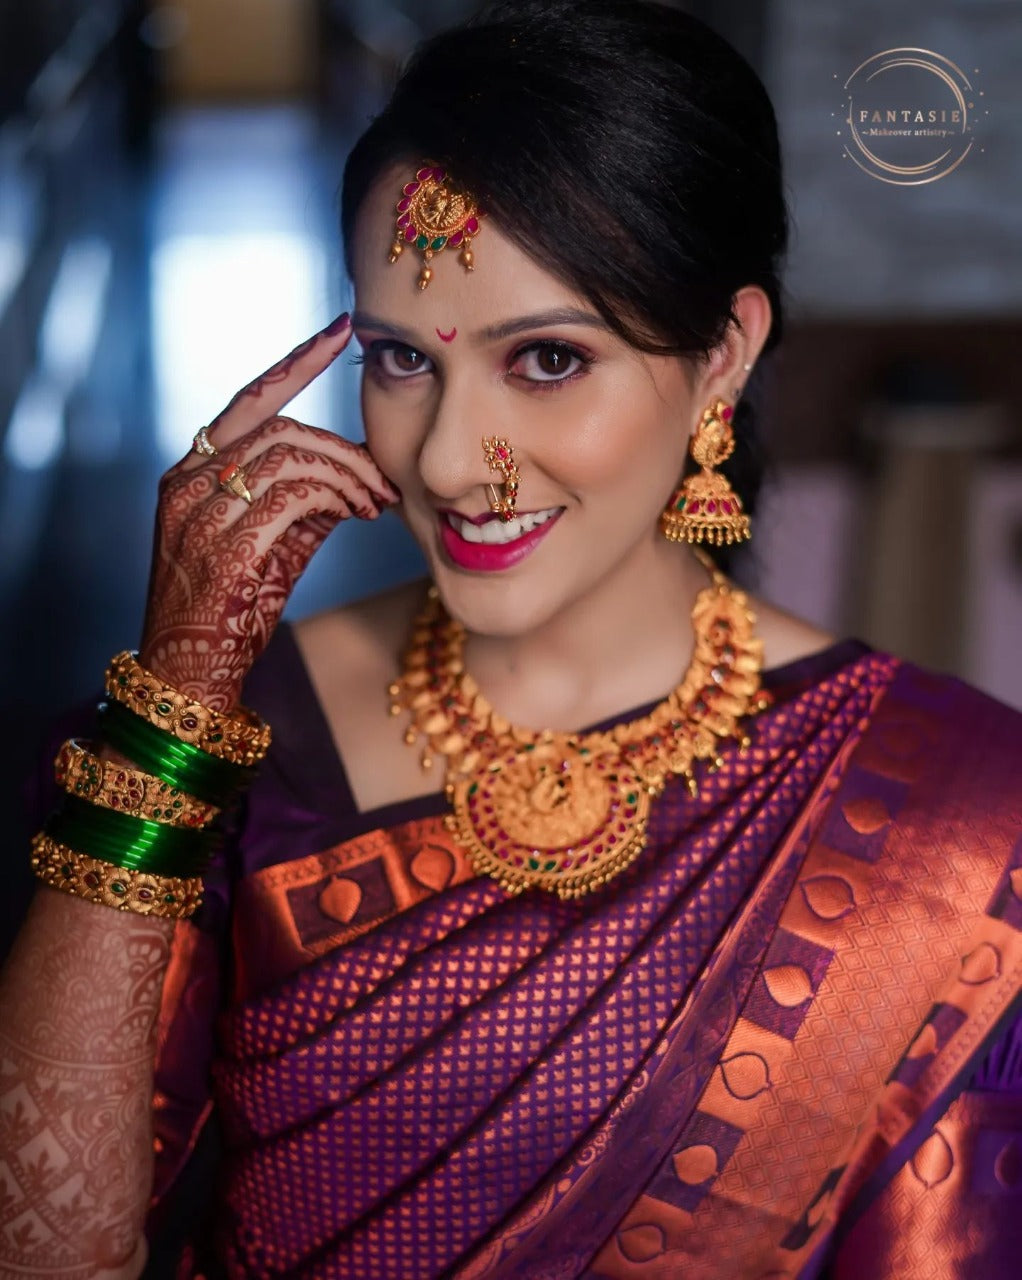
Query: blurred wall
[239, 49]
[897, 408]
[864, 247]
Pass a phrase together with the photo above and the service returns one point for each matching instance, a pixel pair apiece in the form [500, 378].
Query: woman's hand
[223, 569]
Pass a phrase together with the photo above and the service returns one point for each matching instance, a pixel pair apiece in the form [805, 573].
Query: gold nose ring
[499, 457]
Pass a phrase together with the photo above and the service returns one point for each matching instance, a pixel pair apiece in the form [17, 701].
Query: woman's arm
[79, 996]
[80, 993]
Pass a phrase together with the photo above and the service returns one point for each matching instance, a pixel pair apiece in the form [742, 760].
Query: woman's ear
[730, 363]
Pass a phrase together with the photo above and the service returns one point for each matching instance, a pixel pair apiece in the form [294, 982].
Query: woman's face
[599, 429]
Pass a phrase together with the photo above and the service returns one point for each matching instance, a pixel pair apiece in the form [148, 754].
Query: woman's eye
[395, 360]
[548, 362]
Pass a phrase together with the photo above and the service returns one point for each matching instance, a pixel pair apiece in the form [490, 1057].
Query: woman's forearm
[79, 996]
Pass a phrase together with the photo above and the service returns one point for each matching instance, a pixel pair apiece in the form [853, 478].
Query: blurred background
[168, 227]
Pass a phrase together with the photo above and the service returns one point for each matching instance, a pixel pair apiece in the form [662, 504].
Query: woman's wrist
[203, 677]
[238, 736]
[132, 831]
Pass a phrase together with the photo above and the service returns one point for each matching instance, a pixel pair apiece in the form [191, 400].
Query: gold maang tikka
[434, 214]
[499, 456]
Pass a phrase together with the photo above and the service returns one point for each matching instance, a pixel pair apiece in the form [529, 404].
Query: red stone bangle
[240, 737]
[127, 790]
[106, 885]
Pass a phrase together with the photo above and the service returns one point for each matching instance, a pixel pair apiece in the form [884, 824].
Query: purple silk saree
[745, 1059]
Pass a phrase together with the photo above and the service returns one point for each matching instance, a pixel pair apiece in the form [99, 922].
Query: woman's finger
[195, 506]
[266, 395]
[289, 502]
[299, 435]
[285, 462]
[222, 512]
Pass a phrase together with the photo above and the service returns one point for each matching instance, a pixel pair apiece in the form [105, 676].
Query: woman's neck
[624, 643]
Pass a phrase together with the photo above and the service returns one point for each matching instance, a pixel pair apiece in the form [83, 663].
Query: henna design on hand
[77, 1041]
[222, 572]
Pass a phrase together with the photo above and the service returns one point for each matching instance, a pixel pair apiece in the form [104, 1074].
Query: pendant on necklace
[566, 812]
[551, 815]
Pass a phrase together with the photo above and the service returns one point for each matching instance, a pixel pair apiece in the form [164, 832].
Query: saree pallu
[745, 1059]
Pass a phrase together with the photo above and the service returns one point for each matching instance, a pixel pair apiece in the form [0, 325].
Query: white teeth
[493, 531]
[496, 531]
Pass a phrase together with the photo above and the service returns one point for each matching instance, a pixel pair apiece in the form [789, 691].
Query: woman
[551, 971]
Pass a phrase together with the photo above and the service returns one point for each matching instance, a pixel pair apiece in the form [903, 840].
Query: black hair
[621, 144]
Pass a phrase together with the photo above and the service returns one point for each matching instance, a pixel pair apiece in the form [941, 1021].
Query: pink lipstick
[489, 557]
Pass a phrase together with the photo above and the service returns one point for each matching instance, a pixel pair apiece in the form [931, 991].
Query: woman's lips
[489, 557]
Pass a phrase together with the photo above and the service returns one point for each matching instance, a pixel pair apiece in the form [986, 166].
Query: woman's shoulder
[332, 667]
[786, 638]
[790, 641]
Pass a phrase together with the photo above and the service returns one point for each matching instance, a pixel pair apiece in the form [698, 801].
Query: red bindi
[447, 337]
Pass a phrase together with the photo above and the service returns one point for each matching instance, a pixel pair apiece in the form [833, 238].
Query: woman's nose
[452, 461]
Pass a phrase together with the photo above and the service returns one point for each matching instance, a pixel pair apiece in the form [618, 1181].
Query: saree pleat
[903, 941]
[543, 946]
[403, 1094]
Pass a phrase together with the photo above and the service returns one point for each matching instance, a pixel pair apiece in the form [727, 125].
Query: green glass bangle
[207, 777]
[115, 828]
[134, 844]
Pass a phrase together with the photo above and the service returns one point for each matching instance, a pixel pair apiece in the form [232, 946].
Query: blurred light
[68, 65]
[71, 322]
[225, 307]
[94, 431]
[13, 258]
[35, 433]
[20, 209]
[384, 29]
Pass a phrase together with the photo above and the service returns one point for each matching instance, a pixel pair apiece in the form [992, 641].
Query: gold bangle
[109, 886]
[240, 737]
[127, 790]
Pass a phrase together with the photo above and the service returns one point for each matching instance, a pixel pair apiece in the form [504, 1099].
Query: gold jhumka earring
[499, 456]
[434, 214]
[705, 508]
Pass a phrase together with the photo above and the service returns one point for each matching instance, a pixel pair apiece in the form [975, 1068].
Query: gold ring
[233, 481]
[201, 443]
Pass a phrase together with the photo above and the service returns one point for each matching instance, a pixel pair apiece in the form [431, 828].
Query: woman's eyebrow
[540, 320]
[363, 320]
[493, 332]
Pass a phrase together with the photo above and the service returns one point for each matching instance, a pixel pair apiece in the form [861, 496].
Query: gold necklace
[566, 812]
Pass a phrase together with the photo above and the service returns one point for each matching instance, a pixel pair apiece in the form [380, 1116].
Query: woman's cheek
[602, 444]
[385, 431]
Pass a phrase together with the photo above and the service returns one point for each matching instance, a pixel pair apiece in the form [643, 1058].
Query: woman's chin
[488, 605]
